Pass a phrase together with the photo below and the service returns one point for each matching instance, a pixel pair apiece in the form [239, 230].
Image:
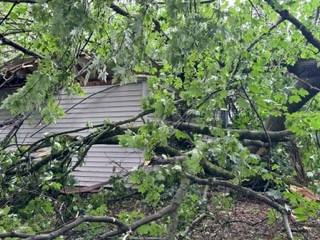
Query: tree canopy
[232, 88]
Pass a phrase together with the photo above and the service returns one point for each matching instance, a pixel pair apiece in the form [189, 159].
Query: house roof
[13, 73]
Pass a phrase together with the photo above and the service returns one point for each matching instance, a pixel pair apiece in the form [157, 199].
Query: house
[111, 102]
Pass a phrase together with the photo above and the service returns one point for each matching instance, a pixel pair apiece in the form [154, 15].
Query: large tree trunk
[309, 74]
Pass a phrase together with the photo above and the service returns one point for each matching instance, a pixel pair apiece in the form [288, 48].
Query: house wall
[99, 103]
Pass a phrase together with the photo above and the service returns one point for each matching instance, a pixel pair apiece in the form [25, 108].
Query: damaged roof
[14, 72]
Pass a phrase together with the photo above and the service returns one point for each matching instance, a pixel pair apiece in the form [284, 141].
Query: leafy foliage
[199, 58]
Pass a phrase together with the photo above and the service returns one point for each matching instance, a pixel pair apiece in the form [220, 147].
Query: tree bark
[308, 78]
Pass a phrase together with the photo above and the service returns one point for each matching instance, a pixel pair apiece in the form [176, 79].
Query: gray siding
[114, 103]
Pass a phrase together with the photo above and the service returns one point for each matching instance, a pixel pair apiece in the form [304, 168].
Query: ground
[230, 217]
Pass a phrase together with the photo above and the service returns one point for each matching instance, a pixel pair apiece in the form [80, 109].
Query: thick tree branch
[17, 124]
[172, 228]
[156, 23]
[17, 31]
[176, 201]
[119, 10]
[10, 121]
[275, 136]
[215, 170]
[299, 25]
[60, 231]
[215, 183]
[308, 81]
[19, 47]
[21, 1]
[257, 143]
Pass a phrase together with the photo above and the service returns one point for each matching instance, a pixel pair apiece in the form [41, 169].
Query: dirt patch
[248, 219]
[244, 219]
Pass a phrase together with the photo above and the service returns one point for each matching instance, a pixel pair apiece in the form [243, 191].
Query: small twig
[127, 234]
[261, 121]
[205, 193]
[305, 82]
[192, 224]
[249, 223]
[287, 225]
[254, 42]
[78, 103]
[254, 7]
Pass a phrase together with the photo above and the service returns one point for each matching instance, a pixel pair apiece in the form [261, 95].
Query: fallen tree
[199, 59]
